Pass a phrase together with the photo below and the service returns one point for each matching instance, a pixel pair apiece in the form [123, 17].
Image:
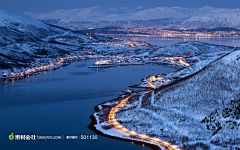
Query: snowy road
[134, 134]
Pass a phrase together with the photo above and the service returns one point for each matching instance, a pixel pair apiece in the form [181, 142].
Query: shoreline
[28, 72]
[155, 145]
[142, 143]
[95, 121]
[31, 71]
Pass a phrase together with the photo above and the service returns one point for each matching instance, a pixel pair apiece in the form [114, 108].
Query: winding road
[117, 125]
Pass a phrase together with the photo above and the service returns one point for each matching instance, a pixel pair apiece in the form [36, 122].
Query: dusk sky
[50, 5]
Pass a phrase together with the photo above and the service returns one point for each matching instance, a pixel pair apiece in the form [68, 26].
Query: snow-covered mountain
[95, 12]
[161, 17]
[16, 27]
[7, 18]
[25, 41]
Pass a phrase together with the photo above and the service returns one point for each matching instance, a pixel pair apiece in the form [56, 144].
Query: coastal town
[105, 58]
[174, 33]
[121, 61]
[181, 33]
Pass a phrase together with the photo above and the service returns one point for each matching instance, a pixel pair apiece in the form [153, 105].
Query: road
[117, 125]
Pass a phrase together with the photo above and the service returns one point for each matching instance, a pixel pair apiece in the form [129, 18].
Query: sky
[50, 5]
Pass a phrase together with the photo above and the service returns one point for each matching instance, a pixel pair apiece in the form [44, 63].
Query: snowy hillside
[16, 27]
[8, 18]
[200, 112]
[161, 17]
[27, 42]
[176, 112]
[183, 49]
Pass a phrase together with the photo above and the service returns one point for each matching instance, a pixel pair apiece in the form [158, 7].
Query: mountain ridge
[160, 17]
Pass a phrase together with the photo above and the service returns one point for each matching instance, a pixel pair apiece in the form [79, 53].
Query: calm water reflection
[60, 103]
[169, 41]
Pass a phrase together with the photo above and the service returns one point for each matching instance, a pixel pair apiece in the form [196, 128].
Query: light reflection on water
[164, 41]
[60, 103]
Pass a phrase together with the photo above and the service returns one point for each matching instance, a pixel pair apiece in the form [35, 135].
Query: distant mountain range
[160, 17]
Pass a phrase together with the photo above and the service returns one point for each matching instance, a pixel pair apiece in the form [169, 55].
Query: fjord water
[61, 102]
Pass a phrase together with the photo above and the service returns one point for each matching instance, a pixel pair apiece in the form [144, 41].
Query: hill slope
[24, 41]
[200, 112]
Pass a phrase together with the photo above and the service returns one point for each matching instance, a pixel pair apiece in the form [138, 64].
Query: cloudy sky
[50, 5]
